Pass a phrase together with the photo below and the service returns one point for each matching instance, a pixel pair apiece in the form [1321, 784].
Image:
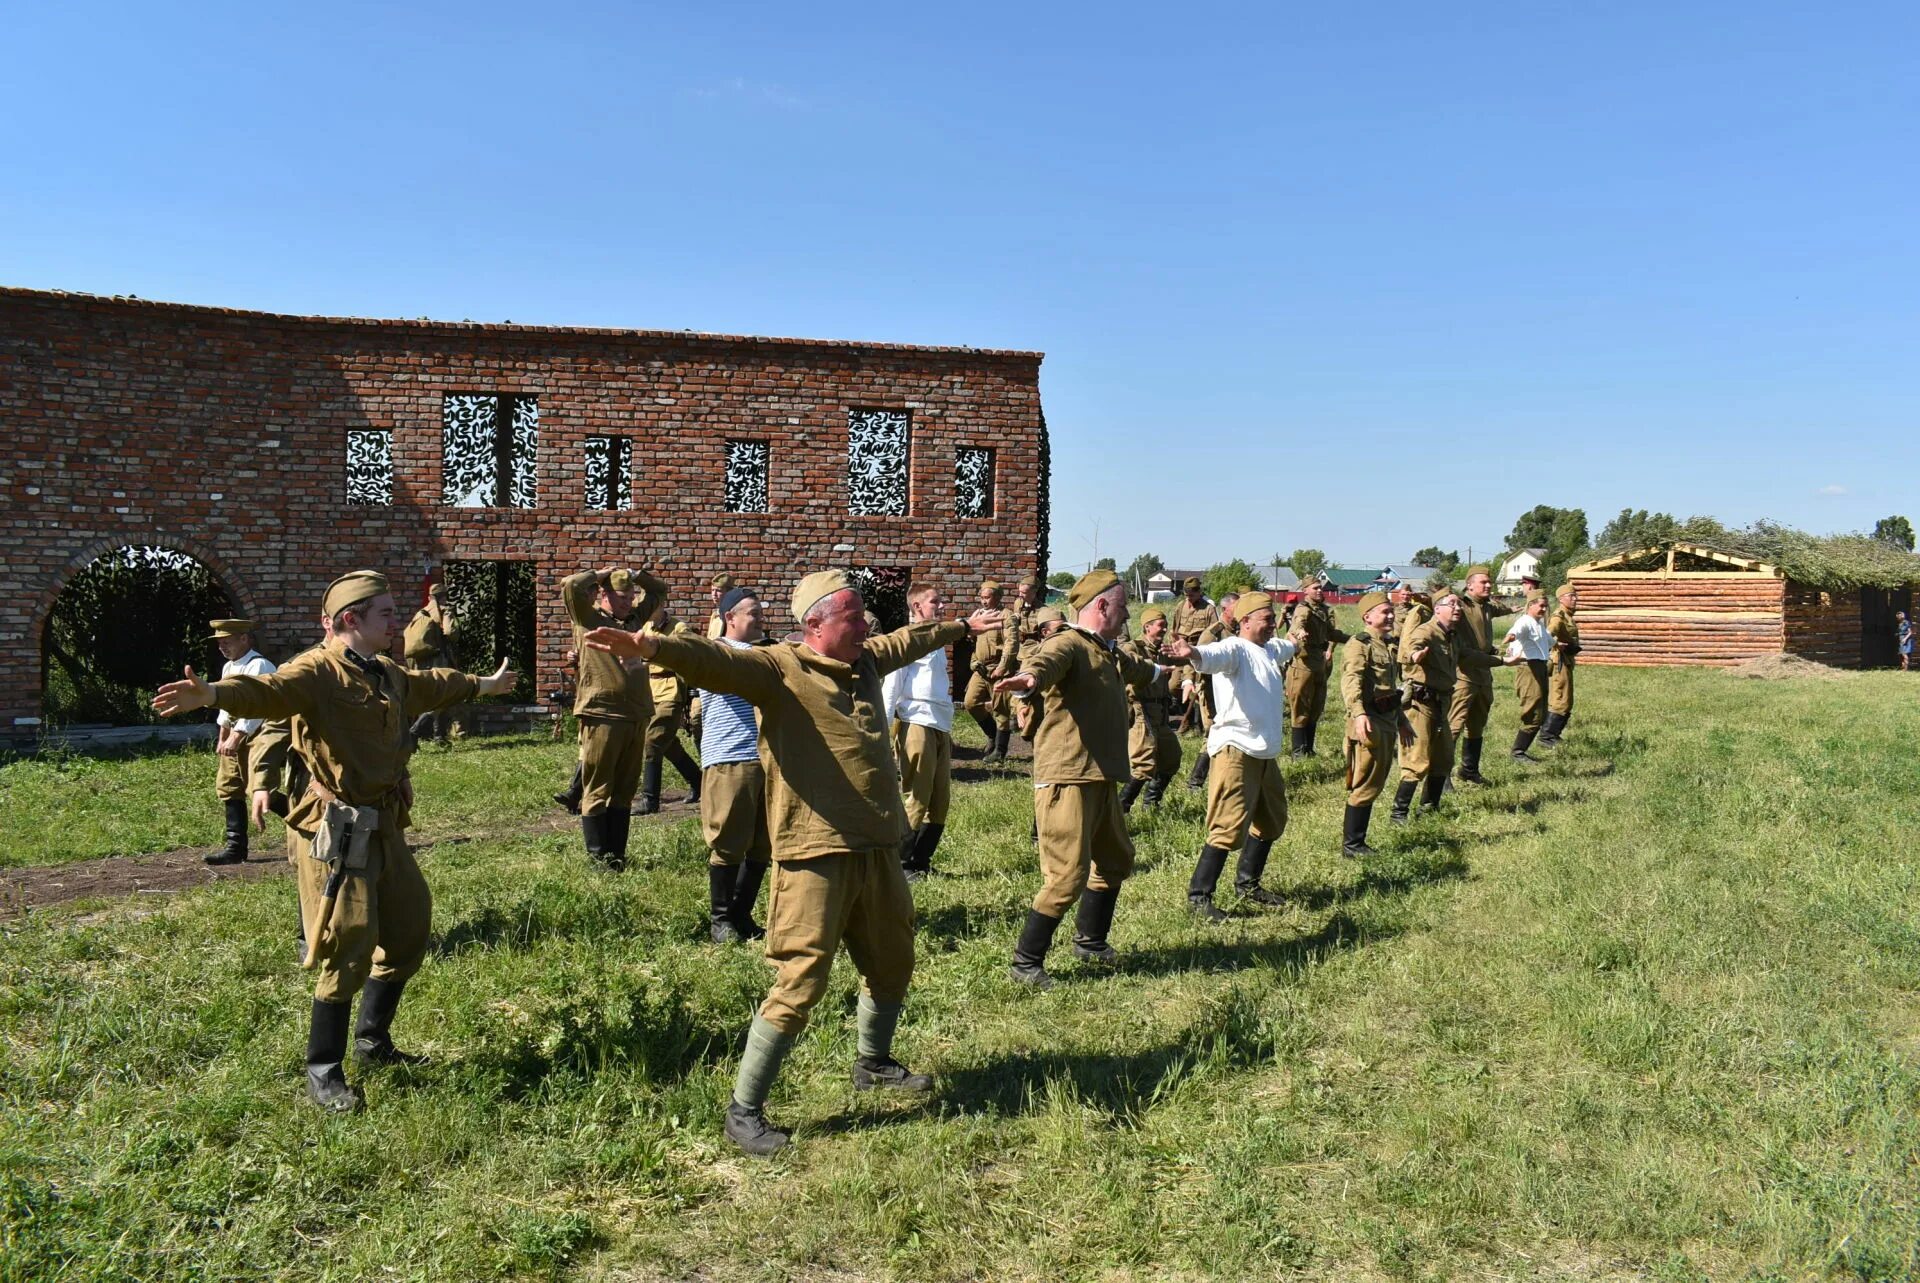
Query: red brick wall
[223, 434]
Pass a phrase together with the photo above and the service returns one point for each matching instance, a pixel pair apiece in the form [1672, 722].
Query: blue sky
[1356, 277]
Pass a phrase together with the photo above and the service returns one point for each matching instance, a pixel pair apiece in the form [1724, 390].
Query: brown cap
[347, 589]
[229, 628]
[1151, 613]
[1251, 602]
[1089, 586]
[816, 587]
[1471, 571]
[1566, 590]
[721, 582]
[1045, 615]
[1193, 581]
[989, 585]
[1534, 594]
[1369, 600]
[621, 580]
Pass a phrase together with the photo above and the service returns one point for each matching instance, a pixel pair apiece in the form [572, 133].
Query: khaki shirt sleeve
[294, 689]
[267, 757]
[901, 647]
[1136, 672]
[577, 592]
[753, 674]
[1353, 676]
[653, 591]
[1053, 660]
[432, 689]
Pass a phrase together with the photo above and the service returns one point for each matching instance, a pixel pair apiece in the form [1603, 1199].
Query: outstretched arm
[901, 647]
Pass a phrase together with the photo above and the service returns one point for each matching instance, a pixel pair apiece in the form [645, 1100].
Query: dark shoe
[1201, 906]
[922, 843]
[750, 1130]
[1002, 741]
[568, 800]
[326, 1055]
[1030, 950]
[1092, 923]
[1032, 975]
[1252, 866]
[1469, 772]
[884, 1071]
[1298, 746]
[1430, 794]
[619, 824]
[1206, 872]
[1353, 840]
[235, 850]
[989, 729]
[1257, 894]
[1130, 792]
[1403, 801]
[594, 832]
[746, 891]
[721, 880]
[1155, 790]
[1201, 766]
[1550, 733]
[373, 1034]
[1521, 743]
[649, 803]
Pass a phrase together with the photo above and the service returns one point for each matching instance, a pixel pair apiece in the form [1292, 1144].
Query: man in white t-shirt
[920, 706]
[1528, 648]
[1246, 795]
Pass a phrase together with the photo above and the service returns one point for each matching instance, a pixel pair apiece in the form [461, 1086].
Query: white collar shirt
[921, 694]
[1249, 694]
[251, 664]
[1528, 638]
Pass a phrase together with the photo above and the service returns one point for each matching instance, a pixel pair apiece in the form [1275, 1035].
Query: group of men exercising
[826, 762]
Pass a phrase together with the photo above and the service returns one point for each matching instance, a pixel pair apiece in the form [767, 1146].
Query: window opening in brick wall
[747, 476]
[369, 468]
[493, 604]
[973, 481]
[877, 457]
[479, 461]
[884, 589]
[610, 472]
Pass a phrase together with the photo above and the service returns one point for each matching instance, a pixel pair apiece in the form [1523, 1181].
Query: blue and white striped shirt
[729, 726]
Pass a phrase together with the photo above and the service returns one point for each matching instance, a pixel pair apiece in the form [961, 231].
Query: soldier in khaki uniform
[1528, 648]
[1033, 594]
[1307, 676]
[367, 918]
[1429, 665]
[1370, 688]
[233, 736]
[1478, 658]
[920, 703]
[836, 816]
[1153, 750]
[716, 622]
[613, 702]
[733, 799]
[428, 643]
[672, 701]
[1566, 644]
[1041, 624]
[1418, 611]
[1079, 762]
[979, 699]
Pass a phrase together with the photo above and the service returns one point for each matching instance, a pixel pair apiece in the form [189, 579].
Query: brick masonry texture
[222, 434]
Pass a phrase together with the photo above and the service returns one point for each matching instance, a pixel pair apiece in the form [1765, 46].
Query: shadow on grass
[951, 923]
[1337, 933]
[1377, 882]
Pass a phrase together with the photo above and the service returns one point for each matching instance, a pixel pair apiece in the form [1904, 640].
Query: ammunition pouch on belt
[1421, 693]
[344, 834]
[1384, 702]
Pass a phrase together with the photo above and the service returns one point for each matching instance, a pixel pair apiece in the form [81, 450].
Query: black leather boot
[373, 1033]
[746, 891]
[1002, 741]
[1469, 772]
[1030, 951]
[235, 850]
[1403, 801]
[684, 763]
[649, 803]
[1206, 876]
[1521, 743]
[1155, 791]
[1252, 866]
[1130, 792]
[593, 831]
[1550, 733]
[1092, 923]
[926, 841]
[619, 823]
[1310, 735]
[989, 729]
[721, 881]
[1200, 767]
[326, 1057]
[1353, 842]
[569, 800]
[1436, 785]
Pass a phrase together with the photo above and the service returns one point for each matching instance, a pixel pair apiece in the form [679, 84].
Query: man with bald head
[364, 901]
[835, 815]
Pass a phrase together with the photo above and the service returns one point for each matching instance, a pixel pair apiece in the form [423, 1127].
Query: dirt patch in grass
[1776, 667]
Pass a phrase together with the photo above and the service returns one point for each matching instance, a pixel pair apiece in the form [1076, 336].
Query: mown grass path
[1648, 1010]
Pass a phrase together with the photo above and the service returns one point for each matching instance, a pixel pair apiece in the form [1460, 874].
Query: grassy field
[1649, 1010]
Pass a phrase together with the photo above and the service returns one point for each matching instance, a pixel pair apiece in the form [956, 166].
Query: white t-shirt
[1249, 694]
[920, 694]
[1528, 638]
[251, 664]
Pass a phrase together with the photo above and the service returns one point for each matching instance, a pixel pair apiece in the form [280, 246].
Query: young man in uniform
[1307, 680]
[1246, 794]
[1079, 763]
[1528, 647]
[1427, 660]
[233, 736]
[428, 643]
[613, 702]
[987, 650]
[1033, 594]
[1478, 657]
[1370, 688]
[836, 818]
[671, 702]
[1566, 645]
[920, 707]
[367, 910]
[1153, 750]
[716, 622]
[733, 793]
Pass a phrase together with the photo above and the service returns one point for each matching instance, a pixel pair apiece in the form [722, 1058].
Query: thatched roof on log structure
[1821, 561]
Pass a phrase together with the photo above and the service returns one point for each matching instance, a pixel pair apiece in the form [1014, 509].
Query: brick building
[279, 451]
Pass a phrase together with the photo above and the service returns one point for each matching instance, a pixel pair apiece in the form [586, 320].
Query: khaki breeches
[1431, 752]
[1370, 759]
[1153, 750]
[668, 720]
[381, 916]
[925, 754]
[1243, 792]
[1530, 687]
[230, 773]
[610, 754]
[1560, 687]
[1472, 702]
[856, 898]
[733, 813]
[1306, 693]
[1083, 843]
[980, 697]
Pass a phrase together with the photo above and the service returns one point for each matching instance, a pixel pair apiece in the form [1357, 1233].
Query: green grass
[1646, 1011]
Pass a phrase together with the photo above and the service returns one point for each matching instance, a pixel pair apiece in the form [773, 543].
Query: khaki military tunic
[834, 807]
[1417, 613]
[1435, 678]
[349, 724]
[988, 649]
[1189, 621]
[1566, 645]
[1370, 688]
[671, 700]
[612, 698]
[1153, 750]
[1307, 675]
[428, 643]
[1013, 633]
[1079, 757]
[1479, 657]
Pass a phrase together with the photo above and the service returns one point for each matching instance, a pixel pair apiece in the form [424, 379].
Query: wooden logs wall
[1712, 619]
[1823, 626]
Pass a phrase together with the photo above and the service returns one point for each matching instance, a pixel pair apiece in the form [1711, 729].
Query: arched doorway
[125, 622]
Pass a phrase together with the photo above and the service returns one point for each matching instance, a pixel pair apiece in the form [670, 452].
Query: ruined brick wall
[223, 435]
